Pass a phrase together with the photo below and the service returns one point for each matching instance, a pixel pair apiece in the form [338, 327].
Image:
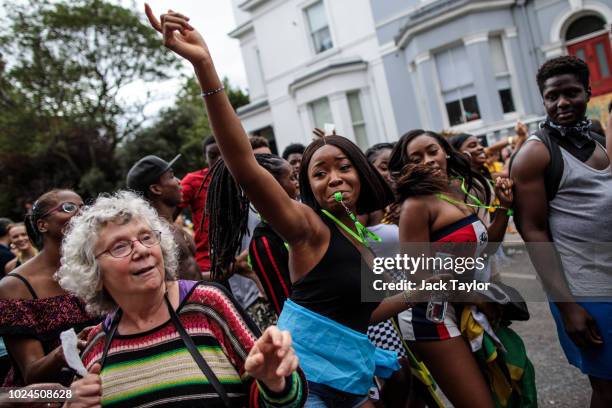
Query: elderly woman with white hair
[165, 342]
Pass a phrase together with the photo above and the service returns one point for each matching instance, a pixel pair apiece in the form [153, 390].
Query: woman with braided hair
[327, 245]
[227, 205]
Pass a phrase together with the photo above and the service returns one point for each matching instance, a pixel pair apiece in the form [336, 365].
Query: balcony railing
[496, 133]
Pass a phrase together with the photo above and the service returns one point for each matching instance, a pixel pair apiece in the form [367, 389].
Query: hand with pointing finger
[179, 35]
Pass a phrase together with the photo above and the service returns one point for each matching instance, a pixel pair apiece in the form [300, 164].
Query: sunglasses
[67, 207]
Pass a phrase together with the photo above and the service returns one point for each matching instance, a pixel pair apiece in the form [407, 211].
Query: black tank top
[333, 287]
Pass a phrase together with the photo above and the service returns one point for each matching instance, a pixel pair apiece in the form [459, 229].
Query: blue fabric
[332, 354]
[596, 362]
[322, 396]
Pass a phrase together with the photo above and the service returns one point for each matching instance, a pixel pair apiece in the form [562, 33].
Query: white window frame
[306, 22]
[506, 75]
[363, 122]
[311, 113]
[457, 89]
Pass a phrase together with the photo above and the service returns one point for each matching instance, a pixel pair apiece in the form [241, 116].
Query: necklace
[476, 200]
[362, 233]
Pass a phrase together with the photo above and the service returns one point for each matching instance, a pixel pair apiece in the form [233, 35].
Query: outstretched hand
[272, 359]
[179, 35]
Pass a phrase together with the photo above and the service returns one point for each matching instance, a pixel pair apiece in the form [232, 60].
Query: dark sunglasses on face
[66, 207]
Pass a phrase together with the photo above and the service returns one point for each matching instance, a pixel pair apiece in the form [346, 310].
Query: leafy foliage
[64, 66]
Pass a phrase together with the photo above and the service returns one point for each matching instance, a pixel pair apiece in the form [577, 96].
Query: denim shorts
[323, 396]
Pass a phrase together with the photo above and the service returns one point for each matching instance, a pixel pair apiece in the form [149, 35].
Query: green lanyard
[479, 204]
[362, 232]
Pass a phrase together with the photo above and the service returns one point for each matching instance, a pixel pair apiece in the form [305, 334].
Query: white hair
[79, 272]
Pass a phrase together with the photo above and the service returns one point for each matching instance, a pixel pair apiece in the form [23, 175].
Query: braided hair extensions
[227, 207]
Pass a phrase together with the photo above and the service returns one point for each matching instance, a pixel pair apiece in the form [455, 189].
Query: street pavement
[559, 384]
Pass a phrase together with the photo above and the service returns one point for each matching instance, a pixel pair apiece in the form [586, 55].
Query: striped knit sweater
[155, 369]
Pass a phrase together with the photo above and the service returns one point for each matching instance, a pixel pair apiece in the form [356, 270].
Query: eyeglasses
[124, 248]
[67, 207]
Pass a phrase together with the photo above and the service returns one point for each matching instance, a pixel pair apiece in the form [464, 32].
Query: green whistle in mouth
[338, 196]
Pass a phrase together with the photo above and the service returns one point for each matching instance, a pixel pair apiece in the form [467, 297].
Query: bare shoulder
[417, 205]
[415, 219]
[315, 230]
[15, 288]
[531, 159]
[12, 288]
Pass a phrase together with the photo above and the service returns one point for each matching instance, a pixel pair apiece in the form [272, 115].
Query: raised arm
[290, 218]
[531, 218]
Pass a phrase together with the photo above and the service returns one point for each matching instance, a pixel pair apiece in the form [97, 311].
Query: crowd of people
[260, 303]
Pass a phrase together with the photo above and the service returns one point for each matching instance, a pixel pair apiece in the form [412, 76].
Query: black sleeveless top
[333, 287]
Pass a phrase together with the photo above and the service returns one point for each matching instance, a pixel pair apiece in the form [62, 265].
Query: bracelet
[407, 299]
[510, 212]
[212, 91]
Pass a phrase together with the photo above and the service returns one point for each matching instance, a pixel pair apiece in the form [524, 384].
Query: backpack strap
[598, 138]
[554, 170]
[197, 357]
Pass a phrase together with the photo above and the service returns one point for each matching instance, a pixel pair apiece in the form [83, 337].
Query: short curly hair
[293, 148]
[563, 65]
[80, 273]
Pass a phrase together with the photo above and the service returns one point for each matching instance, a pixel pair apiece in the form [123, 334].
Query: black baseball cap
[147, 171]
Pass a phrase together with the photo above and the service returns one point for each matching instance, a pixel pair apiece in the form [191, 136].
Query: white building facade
[379, 68]
[311, 62]
[470, 65]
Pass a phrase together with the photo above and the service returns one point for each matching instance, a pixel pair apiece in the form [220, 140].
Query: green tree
[236, 96]
[180, 128]
[61, 112]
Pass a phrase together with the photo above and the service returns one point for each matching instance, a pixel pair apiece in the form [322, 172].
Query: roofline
[422, 19]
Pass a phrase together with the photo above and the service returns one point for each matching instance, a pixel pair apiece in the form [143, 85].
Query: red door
[596, 52]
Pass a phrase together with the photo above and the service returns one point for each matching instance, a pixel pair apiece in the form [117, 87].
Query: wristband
[212, 91]
[407, 298]
[510, 212]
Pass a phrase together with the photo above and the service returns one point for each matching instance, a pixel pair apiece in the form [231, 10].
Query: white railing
[496, 133]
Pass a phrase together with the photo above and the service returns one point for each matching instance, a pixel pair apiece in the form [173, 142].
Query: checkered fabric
[383, 335]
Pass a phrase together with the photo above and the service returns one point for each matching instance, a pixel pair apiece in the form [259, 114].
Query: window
[357, 119]
[502, 74]
[584, 26]
[321, 113]
[506, 100]
[319, 29]
[457, 85]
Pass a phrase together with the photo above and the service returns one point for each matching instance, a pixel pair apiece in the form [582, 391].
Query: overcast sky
[213, 19]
